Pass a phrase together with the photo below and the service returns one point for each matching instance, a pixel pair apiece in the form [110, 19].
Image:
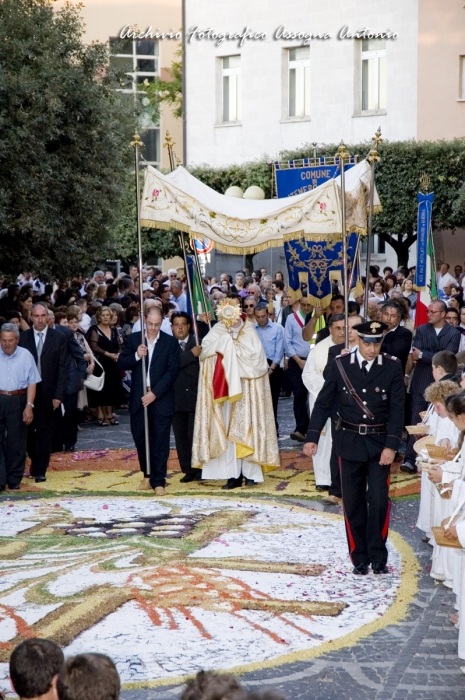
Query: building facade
[320, 72]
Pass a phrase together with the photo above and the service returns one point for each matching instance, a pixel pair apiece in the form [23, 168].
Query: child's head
[88, 677]
[438, 393]
[455, 405]
[34, 667]
[444, 362]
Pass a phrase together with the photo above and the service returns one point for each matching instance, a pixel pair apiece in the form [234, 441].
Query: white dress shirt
[362, 359]
[36, 335]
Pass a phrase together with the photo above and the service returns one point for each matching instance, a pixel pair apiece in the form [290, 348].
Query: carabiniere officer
[368, 389]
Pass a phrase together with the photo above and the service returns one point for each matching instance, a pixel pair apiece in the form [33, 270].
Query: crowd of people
[74, 351]
[39, 671]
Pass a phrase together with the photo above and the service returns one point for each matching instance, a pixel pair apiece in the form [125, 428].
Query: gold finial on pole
[136, 142]
[373, 156]
[425, 182]
[169, 143]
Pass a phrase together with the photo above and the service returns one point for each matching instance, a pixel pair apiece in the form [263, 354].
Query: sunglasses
[249, 306]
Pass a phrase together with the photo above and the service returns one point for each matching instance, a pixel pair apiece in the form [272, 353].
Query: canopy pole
[137, 144]
[354, 264]
[199, 272]
[182, 243]
[372, 158]
[343, 155]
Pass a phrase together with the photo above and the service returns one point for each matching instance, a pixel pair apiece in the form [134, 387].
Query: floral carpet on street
[118, 471]
[169, 586]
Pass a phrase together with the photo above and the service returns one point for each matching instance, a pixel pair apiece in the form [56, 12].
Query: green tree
[169, 91]
[64, 151]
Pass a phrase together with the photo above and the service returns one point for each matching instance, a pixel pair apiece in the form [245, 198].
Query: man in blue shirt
[18, 378]
[272, 337]
[297, 351]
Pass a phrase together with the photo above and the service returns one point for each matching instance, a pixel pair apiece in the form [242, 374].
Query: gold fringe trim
[397, 611]
[251, 249]
[231, 399]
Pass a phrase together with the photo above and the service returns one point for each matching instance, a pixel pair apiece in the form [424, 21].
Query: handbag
[95, 383]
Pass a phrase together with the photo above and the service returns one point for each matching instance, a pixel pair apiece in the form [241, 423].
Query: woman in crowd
[101, 292]
[378, 290]
[279, 276]
[104, 344]
[455, 302]
[60, 318]
[391, 283]
[407, 291]
[25, 304]
[73, 323]
[278, 288]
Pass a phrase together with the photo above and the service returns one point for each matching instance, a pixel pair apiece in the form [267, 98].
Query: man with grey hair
[254, 290]
[172, 274]
[18, 379]
[178, 295]
[99, 277]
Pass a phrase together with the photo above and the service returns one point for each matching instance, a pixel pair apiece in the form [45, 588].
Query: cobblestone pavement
[415, 660]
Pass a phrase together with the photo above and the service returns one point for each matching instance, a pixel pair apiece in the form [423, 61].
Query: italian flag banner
[425, 274]
[429, 292]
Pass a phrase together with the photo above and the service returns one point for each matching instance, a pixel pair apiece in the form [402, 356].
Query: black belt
[364, 429]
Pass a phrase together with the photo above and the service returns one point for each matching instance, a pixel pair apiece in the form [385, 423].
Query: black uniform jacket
[384, 393]
[185, 387]
[164, 369]
[398, 343]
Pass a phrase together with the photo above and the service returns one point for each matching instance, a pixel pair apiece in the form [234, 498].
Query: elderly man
[254, 290]
[162, 354]
[49, 349]
[172, 274]
[18, 379]
[297, 350]
[444, 277]
[272, 337]
[249, 305]
[178, 295]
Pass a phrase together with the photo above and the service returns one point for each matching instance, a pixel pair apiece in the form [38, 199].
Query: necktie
[40, 347]
[183, 344]
[364, 367]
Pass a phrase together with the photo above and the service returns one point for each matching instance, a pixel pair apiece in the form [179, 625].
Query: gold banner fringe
[250, 249]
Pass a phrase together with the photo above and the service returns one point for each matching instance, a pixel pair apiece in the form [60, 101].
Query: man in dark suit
[65, 431]
[162, 365]
[185, 393]
[397, 340]
[367, 435]
[49, 349]
[430, 338]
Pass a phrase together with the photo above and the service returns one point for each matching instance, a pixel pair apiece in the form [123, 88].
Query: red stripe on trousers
[385, 530]
[349, 531]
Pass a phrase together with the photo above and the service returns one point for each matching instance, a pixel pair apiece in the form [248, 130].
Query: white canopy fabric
[180, 201]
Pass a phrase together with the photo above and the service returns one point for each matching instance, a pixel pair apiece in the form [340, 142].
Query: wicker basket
[423, 466]
[437, 452]
[420, 444]
[442, 541]
[419, 429]
[444, 490]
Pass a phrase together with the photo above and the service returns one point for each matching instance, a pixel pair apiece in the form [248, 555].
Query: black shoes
[187, 478]
[408, 468]
[379, 569]
[249, 482]
[232, 484]
[360, 570]
[321, 487]
[15, 487]
[40, 479]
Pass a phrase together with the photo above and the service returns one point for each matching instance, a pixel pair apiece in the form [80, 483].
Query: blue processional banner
[314, 264]
[293, 180]
[425, 207]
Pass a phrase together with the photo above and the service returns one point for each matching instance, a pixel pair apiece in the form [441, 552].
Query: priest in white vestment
[234, 431]
[312, 377]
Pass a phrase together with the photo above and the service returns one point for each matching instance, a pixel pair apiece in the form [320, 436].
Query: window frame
[294, 65]
[366, 56]
[228, 73]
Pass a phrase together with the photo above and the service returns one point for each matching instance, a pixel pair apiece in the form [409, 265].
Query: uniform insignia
[374, 326]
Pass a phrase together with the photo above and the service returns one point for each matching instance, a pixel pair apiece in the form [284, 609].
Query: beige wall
[441, 41]
[105, 18]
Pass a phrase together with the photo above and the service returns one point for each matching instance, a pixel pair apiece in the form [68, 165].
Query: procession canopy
[181, 201]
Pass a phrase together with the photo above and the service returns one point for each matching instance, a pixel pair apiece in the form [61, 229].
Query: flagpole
[343, 155]
[189, 287]
[137, 144]
[202, 287]
[354, 264]
[372, 158]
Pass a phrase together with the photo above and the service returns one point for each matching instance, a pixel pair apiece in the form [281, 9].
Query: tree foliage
[397, 180]
[64, 151]
[169, 91]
